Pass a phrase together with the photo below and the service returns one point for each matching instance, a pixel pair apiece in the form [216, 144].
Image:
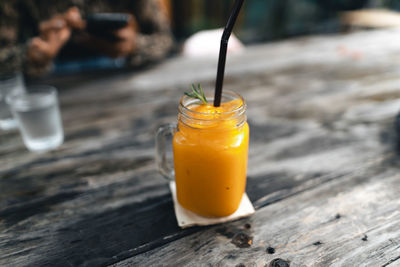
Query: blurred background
[268, 20]
[41, 38]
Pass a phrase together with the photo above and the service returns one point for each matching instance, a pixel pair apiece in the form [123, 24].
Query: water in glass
[9, 83]
[39, 119]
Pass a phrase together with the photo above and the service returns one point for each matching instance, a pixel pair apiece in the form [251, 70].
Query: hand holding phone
[112, 34]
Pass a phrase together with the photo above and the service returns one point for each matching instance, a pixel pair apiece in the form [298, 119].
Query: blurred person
[35, 33]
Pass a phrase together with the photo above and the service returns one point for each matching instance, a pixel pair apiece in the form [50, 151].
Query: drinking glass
[9, 83]
[38, 115]
[210, 155]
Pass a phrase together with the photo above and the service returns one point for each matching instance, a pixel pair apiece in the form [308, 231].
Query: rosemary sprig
[198, 93]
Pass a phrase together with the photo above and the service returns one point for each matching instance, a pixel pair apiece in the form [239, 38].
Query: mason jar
[210, 150]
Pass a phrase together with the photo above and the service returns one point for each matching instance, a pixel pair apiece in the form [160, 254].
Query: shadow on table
[114, 235]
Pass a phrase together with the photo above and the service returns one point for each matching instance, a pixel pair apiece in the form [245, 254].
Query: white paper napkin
[187, 218]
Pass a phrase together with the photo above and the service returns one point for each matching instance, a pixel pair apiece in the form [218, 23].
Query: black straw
[222, 51]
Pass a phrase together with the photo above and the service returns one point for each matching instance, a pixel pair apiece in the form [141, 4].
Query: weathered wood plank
[349, 221]
[319, 117]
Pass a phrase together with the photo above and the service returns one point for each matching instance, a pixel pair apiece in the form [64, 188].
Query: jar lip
[238, 109]
[44, 92]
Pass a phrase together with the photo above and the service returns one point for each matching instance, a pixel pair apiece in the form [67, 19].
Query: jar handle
[163, 164]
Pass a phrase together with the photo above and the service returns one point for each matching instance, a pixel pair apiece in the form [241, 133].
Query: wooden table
[323, 164]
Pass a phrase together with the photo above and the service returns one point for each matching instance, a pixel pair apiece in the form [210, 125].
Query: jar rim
[183, 109]
[32, 96]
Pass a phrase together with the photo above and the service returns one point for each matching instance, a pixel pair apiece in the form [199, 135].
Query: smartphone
[102, 24]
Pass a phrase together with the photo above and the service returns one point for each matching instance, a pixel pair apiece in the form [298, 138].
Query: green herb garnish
[198, 94]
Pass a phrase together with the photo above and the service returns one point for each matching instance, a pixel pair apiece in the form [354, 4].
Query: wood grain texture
[323, 145]
[329, 225]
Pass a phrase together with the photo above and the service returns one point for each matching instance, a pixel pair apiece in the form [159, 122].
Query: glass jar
[210, 149]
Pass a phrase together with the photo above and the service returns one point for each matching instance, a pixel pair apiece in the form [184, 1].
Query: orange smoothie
[210, 158]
